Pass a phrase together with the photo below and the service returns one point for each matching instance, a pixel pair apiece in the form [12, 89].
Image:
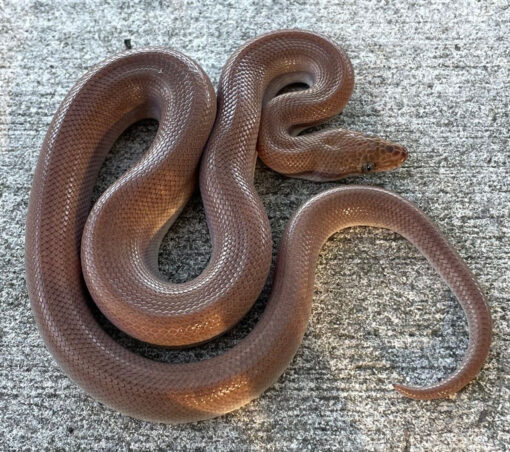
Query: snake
[273, 93]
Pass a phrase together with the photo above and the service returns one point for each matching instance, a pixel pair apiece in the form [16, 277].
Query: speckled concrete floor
[433, 75]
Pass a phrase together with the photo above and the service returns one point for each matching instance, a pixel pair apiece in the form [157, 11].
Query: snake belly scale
[110, 252]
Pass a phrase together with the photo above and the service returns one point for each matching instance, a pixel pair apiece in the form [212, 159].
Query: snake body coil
[110, 252]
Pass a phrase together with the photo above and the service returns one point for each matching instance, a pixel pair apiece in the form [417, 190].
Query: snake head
[341, 153]
[376, 154]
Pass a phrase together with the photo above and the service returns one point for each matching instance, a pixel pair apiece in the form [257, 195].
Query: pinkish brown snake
[110, 252]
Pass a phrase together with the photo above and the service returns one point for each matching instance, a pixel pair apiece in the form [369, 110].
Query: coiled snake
[110, 252]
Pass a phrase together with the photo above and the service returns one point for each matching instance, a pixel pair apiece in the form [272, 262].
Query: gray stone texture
[433, 75]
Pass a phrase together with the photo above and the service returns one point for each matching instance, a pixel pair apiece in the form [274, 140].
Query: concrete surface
[434, 75]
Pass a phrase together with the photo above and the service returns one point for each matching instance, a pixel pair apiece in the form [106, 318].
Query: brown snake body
[110, 252]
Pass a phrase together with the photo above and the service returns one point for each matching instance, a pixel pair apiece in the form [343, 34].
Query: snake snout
[403, 153]
[397, 150]
[396, 154]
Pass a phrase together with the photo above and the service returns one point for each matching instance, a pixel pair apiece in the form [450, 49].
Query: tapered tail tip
[427, 393]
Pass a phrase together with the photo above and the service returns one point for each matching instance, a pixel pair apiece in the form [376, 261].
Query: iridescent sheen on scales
[110, 253]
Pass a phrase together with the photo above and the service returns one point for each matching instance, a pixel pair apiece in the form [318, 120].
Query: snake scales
[110, 252]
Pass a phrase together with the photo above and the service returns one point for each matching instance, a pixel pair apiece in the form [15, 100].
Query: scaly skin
[113, 248]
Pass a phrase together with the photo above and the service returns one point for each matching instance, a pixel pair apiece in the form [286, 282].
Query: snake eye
[368, 167]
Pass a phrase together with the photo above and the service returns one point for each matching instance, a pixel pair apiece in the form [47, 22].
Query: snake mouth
[403, 154]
